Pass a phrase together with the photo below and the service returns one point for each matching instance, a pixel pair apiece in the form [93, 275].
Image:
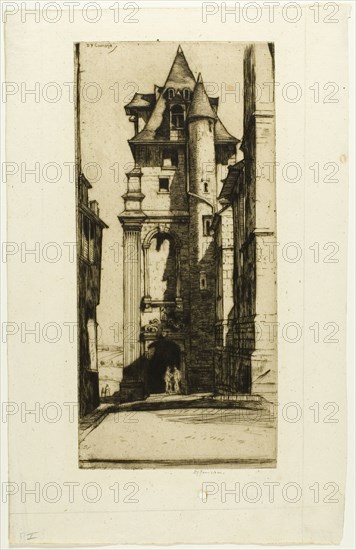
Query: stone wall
[246, 358]
[258, 309]
[174, 200]
[202, 182]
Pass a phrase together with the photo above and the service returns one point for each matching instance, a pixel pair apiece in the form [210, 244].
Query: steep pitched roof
[203, 106]
[230, 181]
[222, 135]
[149, 133]
[200, 106]
[180, 76]
[140, 101]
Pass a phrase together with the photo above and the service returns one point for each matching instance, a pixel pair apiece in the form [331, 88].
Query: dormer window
[186, 94]
[170, 93]
[177, 117]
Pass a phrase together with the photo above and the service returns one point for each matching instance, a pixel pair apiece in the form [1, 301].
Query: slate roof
[140, 101]
[149, 133]
[230, 180]
[180, 77]
[222, 135]
[200, 106]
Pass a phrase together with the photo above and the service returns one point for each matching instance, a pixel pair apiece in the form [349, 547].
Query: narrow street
[174, 428]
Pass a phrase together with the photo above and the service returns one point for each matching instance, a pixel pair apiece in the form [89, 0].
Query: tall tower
[179, 143]
[202, 197]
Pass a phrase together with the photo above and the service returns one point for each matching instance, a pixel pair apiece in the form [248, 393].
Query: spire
[200, 106]
[180, 76]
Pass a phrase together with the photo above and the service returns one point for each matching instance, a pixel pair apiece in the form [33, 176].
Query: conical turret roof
[180, 77]
[200, 106]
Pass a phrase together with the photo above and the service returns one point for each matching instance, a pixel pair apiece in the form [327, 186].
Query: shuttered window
[88, 239]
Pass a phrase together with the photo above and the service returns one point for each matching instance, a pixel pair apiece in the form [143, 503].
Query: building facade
[89, 230]
[246, 353]
[181, 151]
[224, 316]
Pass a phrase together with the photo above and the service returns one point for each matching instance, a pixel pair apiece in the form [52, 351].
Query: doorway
[163, 353]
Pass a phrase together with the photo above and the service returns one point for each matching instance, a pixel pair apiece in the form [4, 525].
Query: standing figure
[168, 379]
[177, 377]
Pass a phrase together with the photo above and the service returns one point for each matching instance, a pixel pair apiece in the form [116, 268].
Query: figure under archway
[164, 353]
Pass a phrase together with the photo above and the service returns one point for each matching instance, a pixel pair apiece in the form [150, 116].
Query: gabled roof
[140, 101]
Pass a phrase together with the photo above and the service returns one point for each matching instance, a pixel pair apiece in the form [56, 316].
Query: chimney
[94, 206]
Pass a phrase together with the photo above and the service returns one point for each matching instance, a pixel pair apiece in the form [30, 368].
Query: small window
[207, 220]
[164, 185]
[177, 114]
[186, 94]
[206, 187]
[170, 158]
[170, 93]
[202, 281]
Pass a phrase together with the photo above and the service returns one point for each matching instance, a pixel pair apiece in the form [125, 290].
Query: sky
[111, 72]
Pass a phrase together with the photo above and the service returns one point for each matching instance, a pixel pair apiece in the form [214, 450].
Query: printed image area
[177, 362]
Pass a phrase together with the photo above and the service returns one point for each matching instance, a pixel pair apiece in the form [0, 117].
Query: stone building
[181, 151]
[89, 231]
[222, 227]
[245, 354]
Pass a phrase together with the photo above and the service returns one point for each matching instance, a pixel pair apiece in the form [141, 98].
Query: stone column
[132, 293]
[146, 273]
[131, 220]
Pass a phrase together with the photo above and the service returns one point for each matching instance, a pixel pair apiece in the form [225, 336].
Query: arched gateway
[162, 353]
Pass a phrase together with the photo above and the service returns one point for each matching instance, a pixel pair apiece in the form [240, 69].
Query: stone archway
[160, 234]
[162, 354]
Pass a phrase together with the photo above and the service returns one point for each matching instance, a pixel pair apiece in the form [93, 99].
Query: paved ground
[185, 435]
